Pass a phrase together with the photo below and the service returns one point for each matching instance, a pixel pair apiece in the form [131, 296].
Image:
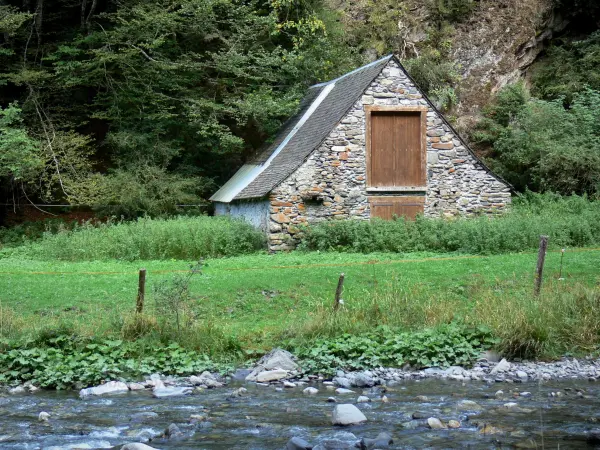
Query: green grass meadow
[264, 300]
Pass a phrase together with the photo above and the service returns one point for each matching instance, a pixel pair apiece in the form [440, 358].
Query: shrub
[570, 222]
[442, 346]
[184, 238]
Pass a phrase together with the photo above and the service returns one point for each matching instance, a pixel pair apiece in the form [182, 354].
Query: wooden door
[388, 207]
[396, 153]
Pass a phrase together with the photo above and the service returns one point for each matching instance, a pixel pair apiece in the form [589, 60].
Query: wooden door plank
[382, 149]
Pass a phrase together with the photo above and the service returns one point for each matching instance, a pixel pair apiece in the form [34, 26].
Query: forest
[133, 107]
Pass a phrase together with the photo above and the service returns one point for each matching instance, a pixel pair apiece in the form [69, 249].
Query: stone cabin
[368, 144]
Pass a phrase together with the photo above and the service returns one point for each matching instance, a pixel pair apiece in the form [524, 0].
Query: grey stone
[363, 380]
[146, 416]
[468, 405]
[502, 366]
[343, 391]
[347, 414]
[275, 359]
[205, 379]
[137, 446]
[297, 443]
[271, 375]
[383, 440]
[363, 399]
[435, 423]
[171, 392]
[310, 391]
[112, 387]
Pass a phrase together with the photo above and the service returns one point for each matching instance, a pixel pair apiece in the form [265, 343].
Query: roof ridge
[366, 66]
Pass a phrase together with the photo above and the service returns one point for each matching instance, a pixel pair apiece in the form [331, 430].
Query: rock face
[347, 415]
[276, 359]
[112, 387]
[383, 440]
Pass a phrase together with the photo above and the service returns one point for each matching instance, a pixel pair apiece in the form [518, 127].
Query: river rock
[347, 415]
[275, 359]
[19, 390]
[363, 379]
[145, 416]
[289, 384]
[453, 424]
[205, 379]
[343, 382]
[271, 375]
[383, 440]
[171, 392]
[343, 391]
[136, 386]
[297, 443]
[502, 366]
[137, 446]
[435, 423]
[43, 416]
[112, 387]
[310, 391]
[363, 399]
[172, 431]
[468, 405]
[522, 375]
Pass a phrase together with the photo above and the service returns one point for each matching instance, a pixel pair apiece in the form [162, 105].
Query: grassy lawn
[260, 297]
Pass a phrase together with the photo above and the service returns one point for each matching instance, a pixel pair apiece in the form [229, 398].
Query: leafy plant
[443, 346]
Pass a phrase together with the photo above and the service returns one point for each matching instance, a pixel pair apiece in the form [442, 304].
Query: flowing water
[265, 418]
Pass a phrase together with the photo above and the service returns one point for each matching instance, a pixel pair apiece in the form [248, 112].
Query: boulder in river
[205, 379]
[137, 446]
[19, 390]
[383, 440]
[502, 366]
[435, 423]
[275, 359]
[297, 443]
[347, 414]
[342, 391]
[112, 387]
[171, 392]
[310, 391]
[271, 375]
[363, 399]
[43, 416]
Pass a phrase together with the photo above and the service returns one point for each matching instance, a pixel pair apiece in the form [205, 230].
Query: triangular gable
[322, 109]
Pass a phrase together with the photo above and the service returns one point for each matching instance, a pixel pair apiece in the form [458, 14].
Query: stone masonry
[331, 183]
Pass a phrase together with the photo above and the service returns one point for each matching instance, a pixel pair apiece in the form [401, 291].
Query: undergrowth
[183, 238]
[569, 221]
[64, 362]
[442, 346]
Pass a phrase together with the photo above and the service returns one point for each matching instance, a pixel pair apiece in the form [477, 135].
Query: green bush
[184, 238]
[64, 362]
[442, 346]
[569, 221]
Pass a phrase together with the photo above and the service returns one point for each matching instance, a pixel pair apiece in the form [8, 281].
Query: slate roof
[320, 111]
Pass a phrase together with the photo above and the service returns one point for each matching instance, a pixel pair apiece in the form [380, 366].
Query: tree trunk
[83, 9]
[39, 16]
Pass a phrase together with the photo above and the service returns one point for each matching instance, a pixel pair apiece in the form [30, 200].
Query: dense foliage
[184, 238]
[64, 363]
[138, 106]
[444, 346]
[570, 222]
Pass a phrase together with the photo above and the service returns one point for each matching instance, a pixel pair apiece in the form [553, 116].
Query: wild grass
[243, 306]
[569, 221]
[183, 238]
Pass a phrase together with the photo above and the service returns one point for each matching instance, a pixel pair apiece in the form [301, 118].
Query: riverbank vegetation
[236, 308]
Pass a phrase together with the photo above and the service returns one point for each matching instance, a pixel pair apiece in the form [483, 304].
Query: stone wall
[331, 184]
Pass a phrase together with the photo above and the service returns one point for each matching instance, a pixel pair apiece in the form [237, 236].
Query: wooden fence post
[540, 265]
[338, 293]
[139, 307]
